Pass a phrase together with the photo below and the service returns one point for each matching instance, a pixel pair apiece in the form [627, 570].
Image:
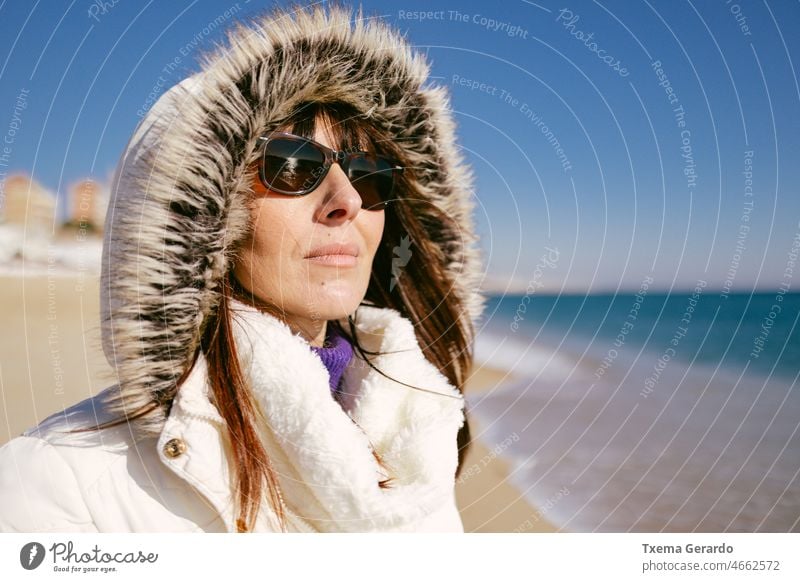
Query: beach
[669, 412]
[488, 502]
[52, 358]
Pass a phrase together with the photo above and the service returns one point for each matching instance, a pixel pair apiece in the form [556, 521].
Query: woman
[289, 288]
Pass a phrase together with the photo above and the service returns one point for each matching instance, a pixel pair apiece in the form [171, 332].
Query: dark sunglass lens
[373, 179]
[291, 165]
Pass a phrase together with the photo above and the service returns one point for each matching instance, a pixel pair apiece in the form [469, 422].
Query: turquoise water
[654, 412]
[720, 331]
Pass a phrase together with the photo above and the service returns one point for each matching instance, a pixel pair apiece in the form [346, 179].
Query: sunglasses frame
[331, 156]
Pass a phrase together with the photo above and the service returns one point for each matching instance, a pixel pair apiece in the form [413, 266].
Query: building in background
[28, 205]
[27, 219]
[88, 200]
[33, 237]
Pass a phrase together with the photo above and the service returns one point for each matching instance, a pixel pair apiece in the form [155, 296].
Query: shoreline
[486, 499]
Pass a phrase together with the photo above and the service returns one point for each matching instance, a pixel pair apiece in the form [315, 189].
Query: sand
[488, 502]
[51, 357]
[50, 354]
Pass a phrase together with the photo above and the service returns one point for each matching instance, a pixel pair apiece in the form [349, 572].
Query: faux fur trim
[178, 198]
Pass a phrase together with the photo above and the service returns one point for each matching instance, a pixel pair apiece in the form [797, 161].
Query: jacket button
[174, 448]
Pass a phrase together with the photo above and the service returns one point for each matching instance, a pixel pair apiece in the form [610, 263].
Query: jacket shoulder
[38, 490]
[44, 471]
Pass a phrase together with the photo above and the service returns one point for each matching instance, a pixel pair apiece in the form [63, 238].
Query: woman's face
[275, 263]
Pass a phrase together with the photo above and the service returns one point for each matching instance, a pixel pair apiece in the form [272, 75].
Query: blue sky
[574, 139]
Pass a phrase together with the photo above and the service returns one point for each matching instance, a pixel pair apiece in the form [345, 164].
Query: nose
[339, 201]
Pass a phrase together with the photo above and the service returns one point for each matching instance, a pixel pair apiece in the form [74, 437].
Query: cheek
[268, 232]
[258, 243]
[261, 250]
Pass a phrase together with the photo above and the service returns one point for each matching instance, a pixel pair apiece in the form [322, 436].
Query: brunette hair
[422, 293]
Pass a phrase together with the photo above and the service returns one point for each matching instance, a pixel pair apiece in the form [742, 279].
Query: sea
[648, 411]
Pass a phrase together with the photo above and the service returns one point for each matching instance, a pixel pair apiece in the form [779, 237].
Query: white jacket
[107, 481]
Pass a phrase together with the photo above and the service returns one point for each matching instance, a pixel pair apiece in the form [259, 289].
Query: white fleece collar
[328, 476]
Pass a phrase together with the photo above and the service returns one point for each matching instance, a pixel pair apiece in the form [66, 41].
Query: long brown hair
[421, 292]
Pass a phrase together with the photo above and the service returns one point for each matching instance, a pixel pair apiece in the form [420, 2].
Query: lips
[349, 249]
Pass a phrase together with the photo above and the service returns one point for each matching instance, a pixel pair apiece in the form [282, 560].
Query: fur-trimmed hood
[178, 210]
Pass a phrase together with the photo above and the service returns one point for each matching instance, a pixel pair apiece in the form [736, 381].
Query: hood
[177, 209]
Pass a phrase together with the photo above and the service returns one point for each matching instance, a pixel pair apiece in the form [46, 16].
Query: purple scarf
[335, 353]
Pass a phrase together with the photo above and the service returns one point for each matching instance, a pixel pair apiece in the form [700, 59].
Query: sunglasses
[295, 165]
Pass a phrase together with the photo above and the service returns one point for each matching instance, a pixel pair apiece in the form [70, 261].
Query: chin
[335, 306]
[338, 310]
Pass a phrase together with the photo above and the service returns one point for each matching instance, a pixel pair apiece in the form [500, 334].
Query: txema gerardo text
[687, 549]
